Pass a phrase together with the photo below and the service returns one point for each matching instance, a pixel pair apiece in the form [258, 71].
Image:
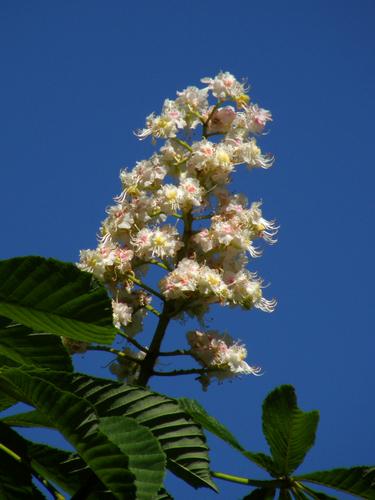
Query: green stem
[274, 483]
[145, 287]
[157, 263]
[152, 309]
[135, 343]
[183, 143]
[10, 452]
[118, 353]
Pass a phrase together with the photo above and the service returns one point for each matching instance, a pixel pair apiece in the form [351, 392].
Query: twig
[146, 287]
[177, 352]
[118, 353]
[133, 341]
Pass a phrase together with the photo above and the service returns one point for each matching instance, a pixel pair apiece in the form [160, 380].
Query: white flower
[190, 192]
[169, 198]
[215, 350]
[257, 118]
[160, 242]
[163, 126]
[248, 152]
[225, 86]
[182, 281]
[122, 314]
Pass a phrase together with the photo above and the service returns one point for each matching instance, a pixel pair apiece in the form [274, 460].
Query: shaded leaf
[15, 472]
[199, 415]
[23, 346]
[75, 418]
[316, 495]
[55, 297]
[181, 439]
[15, 479]
[358, 481]
[289, 431]
[33, 418]
[261, 494]
[146, 458]
[163, 495]
[59, 466]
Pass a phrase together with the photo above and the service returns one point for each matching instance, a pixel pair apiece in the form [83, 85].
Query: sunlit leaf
[199, 415]
[289, 431]
[146, 458]
[55, 297]
[358, 481]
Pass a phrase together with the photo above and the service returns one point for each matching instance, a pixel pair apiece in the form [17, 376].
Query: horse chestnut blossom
[220, 353]
[176, 211]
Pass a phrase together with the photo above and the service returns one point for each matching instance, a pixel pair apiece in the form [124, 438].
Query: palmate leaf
[146, 458]
[261, 494]
[181, 439]
[199, 415]
[59, 466]
[358, 481]
[63, 468]
[75, 418]
[20, 345]
[55, 297]
[289, 431]
[33, 418]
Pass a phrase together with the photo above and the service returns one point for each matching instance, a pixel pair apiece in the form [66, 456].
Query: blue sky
[79, 77]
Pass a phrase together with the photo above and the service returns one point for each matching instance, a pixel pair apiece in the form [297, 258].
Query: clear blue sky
[78, 77]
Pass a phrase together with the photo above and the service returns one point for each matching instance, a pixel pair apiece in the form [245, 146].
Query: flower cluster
[176, 211]
[221, 354]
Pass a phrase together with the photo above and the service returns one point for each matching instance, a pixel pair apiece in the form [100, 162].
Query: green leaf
[261, 494]
[199, 415]
[289, 431]
[181, 439]
[146, 458]
[22, 346]
[316, 495]
[32, 418]
[75, 418]
[59, 466]
[55, 297]
[358, 481]
[163, 495]
[285, 494]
